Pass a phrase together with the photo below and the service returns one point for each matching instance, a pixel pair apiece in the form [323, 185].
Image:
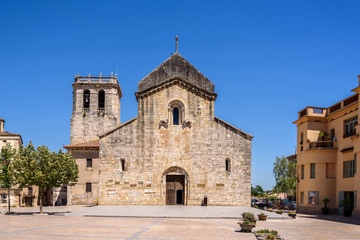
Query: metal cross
[176, 39]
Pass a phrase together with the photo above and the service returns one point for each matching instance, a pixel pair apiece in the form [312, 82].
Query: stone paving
[24, 225]
[170, 212]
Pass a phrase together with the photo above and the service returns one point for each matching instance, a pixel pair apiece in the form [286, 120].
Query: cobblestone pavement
[27, 226]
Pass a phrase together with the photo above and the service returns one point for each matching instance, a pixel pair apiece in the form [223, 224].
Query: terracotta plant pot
[246, 227]
[292, 215]
[262, 217]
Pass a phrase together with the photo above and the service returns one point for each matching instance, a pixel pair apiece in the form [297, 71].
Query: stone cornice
[172, 81]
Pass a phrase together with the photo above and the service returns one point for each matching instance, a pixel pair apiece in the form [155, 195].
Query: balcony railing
[321, 144]
[100, 79]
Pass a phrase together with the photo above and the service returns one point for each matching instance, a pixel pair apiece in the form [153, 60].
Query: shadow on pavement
[32, 213]
[334, 218]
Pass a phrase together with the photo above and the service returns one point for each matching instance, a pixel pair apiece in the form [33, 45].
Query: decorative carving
[164, 123]
[186, 124]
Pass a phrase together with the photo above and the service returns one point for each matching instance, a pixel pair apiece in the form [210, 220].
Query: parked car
[253, 201]
[264, 204]
[292, 205]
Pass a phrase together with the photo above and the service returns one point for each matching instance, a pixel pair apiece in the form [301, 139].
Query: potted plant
[325, 209]
[348, 206]
[246, 226]
[262, 217]
[279, 211]
[269, 210]
[249, 217]
[323, 135]
[292, 214]
[263, 234]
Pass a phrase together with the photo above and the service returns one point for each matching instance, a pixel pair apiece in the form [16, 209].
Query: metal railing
[96, 79]
[321, 144]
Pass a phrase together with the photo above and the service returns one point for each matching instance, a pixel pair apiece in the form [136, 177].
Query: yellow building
[28, 196]
[327, 150]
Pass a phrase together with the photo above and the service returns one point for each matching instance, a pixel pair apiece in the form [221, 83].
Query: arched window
[86, 99]
[101, 99]
[176, 112]
[176, 116]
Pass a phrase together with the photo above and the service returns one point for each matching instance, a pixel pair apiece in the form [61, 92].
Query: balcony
[324, 112]
[322, 145]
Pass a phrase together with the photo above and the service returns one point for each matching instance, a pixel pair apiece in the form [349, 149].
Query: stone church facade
[174, 152]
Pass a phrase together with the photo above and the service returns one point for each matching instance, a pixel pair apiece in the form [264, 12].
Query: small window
[301, 138]
[227, 165]
[349, 169]
[3, 198]
[30, 190]
[86, 99]
[312, 170]
[101, 100]
[89, 162]
[302, 171]
[122, 165]
[88, 187]
[349, 126]
[332, 134]
[318, 110]
[302, 197]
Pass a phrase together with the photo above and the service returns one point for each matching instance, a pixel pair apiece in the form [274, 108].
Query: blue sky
[267, 59]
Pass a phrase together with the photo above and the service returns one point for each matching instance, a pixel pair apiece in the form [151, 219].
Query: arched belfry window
[176, 112]
[101, 99]
[86, 101]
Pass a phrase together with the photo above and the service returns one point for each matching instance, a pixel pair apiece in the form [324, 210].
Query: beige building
[327, 150]
[22, 197]
[174, 152]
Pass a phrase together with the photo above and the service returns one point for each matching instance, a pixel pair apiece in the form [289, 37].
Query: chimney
[2, 123]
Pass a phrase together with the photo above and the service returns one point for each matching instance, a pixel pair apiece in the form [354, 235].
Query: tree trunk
[9, 199]
[41, 193]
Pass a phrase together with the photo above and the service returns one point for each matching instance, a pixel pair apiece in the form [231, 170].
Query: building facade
[174, 152]
[327, 151]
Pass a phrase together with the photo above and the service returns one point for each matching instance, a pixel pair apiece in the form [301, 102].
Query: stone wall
[197, 149]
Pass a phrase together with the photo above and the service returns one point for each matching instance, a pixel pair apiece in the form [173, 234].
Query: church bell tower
[96, 107]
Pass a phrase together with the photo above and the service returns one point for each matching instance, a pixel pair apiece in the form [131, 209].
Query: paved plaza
[67, 223]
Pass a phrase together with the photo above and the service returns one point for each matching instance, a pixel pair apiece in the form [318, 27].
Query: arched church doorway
[176, 186]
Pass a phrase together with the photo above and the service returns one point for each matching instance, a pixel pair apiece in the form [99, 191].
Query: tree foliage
[7, 154]
[6, 177]
[42, 168]
[285, 176]
[257, 191]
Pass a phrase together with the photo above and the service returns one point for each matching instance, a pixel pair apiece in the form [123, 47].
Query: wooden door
[175, 189]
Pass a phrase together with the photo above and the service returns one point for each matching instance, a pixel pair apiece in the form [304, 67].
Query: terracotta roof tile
[89, 144]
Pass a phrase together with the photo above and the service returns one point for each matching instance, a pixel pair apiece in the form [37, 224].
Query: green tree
[257, 191]
[6, 178]
[285, 176]
[45, 169]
